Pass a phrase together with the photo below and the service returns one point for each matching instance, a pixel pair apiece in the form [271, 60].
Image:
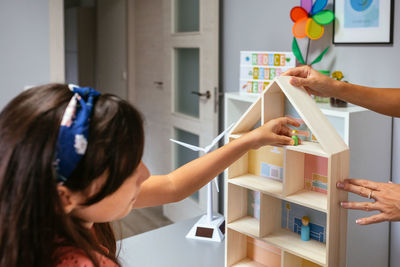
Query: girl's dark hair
[32, 221]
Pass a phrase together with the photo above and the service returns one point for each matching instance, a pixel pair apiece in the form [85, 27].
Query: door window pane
[184, 155]
[187, 81]
[187, 15]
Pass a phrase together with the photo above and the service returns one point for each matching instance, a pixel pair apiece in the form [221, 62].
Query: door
[176, 53]
[111, 72]
[191, 75]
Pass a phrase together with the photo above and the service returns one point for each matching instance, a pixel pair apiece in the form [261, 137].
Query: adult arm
[184, 181]
[382, 100]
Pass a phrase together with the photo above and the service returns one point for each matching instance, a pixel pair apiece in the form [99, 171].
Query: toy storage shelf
[260, 184]
[311, 250]
[310, 199]
[284, 239]
[246, 262]
[312, 148]
[246, 225]
[370, 162]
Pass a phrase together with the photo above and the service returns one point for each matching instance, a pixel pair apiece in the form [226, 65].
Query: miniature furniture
[269, 190]
[168, 246]
[360, 128]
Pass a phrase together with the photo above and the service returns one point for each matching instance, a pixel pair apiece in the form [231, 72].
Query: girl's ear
[69, 199]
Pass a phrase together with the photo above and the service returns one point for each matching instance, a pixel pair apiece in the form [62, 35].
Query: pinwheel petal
[324, 17]
[314, 30]
[318, 6]
[306, 5]
[298, 13]
[299, 28]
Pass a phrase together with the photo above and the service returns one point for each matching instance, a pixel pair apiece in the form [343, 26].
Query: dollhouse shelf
[311, 199]
[283, 239]
[313, 148]
[291, 242]
[308, 147]
[257, 183]
[246, 262]
[246, 225]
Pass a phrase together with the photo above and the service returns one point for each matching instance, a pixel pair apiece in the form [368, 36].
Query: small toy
[305, 228]
[296, 140]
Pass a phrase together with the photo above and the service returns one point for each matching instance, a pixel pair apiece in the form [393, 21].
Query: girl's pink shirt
[73, 257]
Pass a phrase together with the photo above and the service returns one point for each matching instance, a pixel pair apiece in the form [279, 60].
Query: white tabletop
[168, 246]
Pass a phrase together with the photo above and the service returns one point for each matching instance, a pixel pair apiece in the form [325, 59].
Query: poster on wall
[363, 21]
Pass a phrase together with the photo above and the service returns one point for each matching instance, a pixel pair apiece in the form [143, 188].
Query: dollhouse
[271, 189]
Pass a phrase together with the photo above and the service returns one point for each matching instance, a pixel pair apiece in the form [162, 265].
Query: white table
[168, 247]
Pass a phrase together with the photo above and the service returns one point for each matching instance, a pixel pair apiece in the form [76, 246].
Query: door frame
[56, 41]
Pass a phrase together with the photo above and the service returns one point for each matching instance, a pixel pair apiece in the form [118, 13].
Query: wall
[24, 46]
[266, 25]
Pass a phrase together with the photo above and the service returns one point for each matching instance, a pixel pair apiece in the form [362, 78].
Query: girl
[70, 162]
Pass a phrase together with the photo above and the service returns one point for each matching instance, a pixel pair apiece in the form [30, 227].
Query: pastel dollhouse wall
[303, 132]
[267, 162]
[316, 173]
[263, 253]
[291, 220]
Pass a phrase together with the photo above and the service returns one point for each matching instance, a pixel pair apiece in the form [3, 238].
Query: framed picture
[363, 21]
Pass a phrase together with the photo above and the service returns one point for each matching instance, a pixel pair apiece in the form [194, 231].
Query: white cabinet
[369, 136]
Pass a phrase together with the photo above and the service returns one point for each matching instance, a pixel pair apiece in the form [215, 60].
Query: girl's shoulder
[74, 257]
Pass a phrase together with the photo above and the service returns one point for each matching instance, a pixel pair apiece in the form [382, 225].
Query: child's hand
[274, 132]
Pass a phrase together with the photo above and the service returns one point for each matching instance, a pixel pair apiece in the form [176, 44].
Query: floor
[140, 221]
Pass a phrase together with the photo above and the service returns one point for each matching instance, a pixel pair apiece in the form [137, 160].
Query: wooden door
[176, 53]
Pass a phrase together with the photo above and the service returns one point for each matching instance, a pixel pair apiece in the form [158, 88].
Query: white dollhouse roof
[270, 105]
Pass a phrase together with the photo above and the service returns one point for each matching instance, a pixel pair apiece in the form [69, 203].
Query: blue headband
[74, 131]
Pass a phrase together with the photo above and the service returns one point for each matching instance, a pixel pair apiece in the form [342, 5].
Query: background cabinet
[369, 136]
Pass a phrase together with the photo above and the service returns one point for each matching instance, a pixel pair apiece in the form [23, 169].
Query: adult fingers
[363, 183]
[381, 217]
[367, 206]
[359, 190]
[297, 81]
[302, 71]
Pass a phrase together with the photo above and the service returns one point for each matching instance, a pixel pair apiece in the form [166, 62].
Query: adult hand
[386, 196]
[274, 132]
[313, 81]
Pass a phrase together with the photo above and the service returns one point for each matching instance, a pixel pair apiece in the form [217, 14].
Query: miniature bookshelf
[287, 182]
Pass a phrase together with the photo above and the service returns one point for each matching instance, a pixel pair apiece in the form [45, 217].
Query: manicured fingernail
[358, 221]
[340, 185]
[344, 204]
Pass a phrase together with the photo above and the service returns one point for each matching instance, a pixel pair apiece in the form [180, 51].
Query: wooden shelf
[246, 262]
[258, 183]
[246, 225]
[307, 198]
[311, 199]
[286, 240]
[309, 148]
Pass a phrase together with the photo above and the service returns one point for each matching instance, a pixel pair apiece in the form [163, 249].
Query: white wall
[24, 46]
[266, 25]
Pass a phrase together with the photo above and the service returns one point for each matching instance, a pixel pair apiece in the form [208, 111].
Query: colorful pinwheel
[309, 20]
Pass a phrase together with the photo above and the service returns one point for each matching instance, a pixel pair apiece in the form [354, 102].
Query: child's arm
[186, 180]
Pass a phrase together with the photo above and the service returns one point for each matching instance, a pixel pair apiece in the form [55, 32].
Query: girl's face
[116, 205]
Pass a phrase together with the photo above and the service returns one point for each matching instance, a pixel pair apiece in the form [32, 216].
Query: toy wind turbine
[209, 227]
